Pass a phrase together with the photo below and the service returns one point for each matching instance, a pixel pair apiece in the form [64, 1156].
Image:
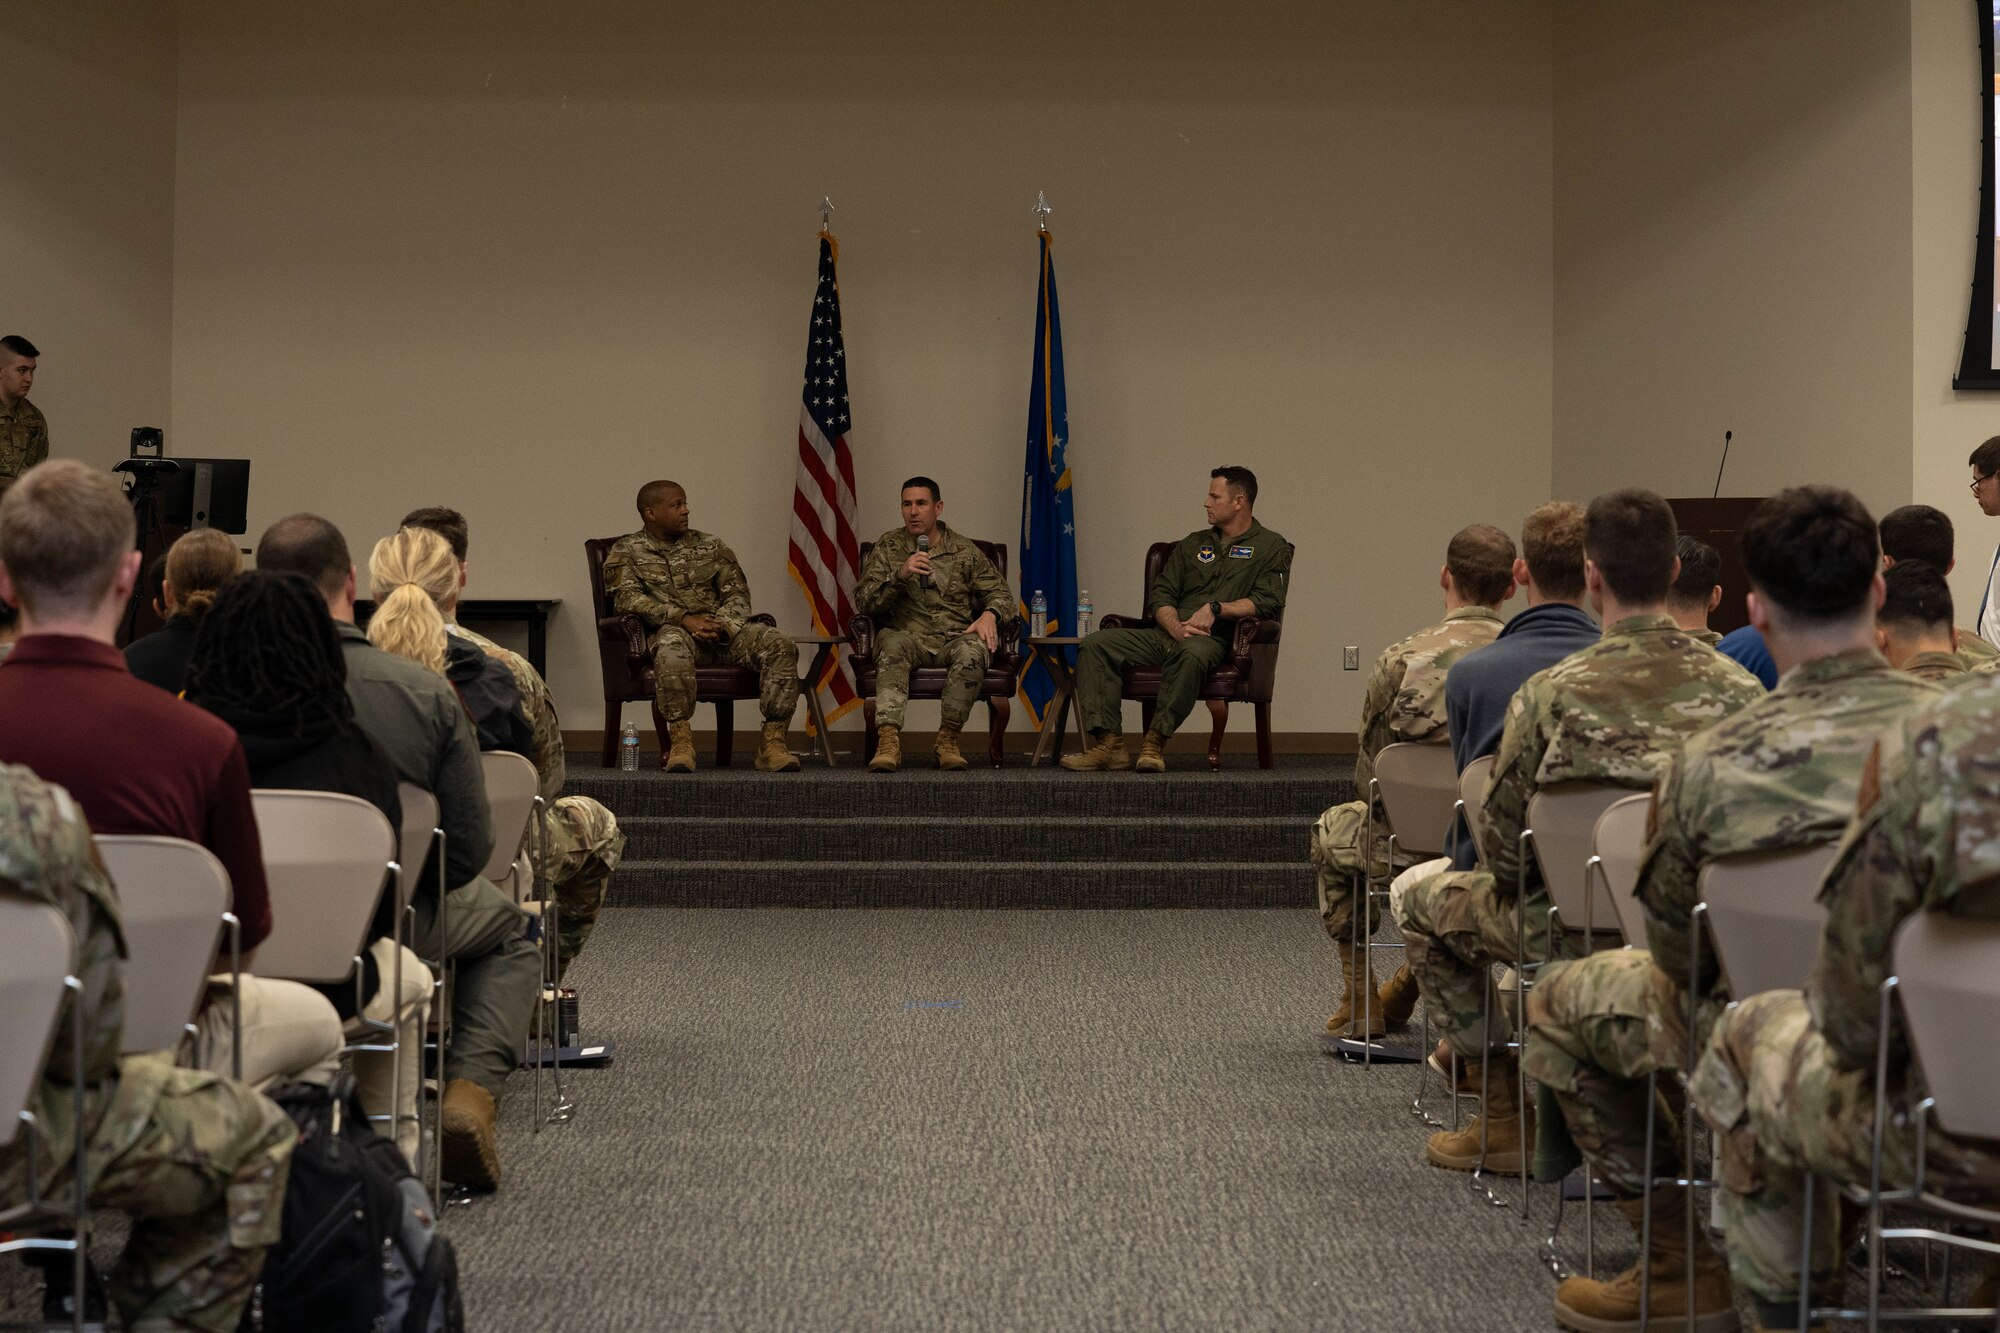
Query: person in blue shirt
[1746, 648]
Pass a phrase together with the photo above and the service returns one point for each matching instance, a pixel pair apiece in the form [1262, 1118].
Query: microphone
[924, 545]
[1725, 462]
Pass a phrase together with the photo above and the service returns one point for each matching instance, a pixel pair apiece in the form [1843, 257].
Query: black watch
[1215, 609]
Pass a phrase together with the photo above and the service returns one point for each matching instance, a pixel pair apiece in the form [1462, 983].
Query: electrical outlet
[1350, 658]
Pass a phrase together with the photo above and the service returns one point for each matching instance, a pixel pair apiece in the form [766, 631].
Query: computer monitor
[207, 493]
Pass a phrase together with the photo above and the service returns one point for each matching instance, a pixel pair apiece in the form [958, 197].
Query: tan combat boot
[1397, 999]
[773, 755]
[1151, 758]
[1612, 1306]
[471, 1149]
[1106, 754]
[1509, 1132]
[1356, 972]
[679, 757]
[888, 749]
[949, 757]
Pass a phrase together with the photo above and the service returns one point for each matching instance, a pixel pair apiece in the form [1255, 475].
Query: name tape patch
[1242, 552]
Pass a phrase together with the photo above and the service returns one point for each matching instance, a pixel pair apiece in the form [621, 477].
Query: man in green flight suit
[1234, 568]
[941, 603]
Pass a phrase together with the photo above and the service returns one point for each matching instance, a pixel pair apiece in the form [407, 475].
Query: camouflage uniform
[1614, 713]
[1404, 702]
[1937, 668]
[1707, 636]
[1975, 649]
[24, 439]
[197, 1160]
[585, 843]
[1788, 1079]
[923, 626]
[663, 582]
[1782, 773]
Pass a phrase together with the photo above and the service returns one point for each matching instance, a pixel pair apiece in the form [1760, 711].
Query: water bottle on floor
[628, 749]
[1038, 616]
[1083, 611]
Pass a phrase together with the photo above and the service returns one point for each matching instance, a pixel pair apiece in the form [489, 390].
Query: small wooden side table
[1049, 741]
[825, 644]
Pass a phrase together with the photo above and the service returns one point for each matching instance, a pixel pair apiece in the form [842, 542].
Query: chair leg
[725, 732]
[613, 711]
[1146, 707]
[1218, 709]
[1265, 759]
[868, 728]
[998, 709]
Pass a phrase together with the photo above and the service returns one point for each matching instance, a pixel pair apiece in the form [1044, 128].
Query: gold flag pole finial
[1042, 209]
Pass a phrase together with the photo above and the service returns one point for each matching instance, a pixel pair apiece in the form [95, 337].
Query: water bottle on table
[628, 749]
[1083, 611]
[1038, 616]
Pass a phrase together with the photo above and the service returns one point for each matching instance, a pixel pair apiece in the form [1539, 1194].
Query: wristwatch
[1215, 609]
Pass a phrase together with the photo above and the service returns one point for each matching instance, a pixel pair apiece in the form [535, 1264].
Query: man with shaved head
[690, 591]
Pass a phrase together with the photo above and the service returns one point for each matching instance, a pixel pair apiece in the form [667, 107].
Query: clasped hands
[1195, 626]
[706, 628]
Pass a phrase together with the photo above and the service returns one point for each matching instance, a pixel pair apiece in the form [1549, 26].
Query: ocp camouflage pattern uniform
[1787, 1079]
[585, 843]
[1975, 649]
[1615, 713]
[926, 626]
[198, 1161]
[1781, 774]
[1937, 668]
[1403, 702]
[24, 439]
[664, 582]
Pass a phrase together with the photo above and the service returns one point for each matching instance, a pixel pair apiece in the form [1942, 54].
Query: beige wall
[86, 226]
[1733, 221]
[520, 260]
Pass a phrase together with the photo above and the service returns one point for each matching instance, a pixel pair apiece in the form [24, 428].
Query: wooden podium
[1720, 523]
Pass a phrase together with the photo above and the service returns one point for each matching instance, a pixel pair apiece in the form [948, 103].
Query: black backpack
[360, 1251]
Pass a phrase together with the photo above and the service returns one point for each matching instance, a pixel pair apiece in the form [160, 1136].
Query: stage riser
[1233, 841]
[1039, 885]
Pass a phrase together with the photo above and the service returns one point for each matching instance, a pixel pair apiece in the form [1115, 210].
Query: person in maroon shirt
[137, 759]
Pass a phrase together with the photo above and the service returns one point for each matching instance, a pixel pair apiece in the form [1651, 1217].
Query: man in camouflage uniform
[1919, 532]
[1913, 629]
[690, 591]
[1787, 1078]
[198, 1161]
[1403, 702]
[941, 603]
[1612, 713]
[1780, 774]
[584, 841]
[24, 433]
[1697, 590]
[1231, 570]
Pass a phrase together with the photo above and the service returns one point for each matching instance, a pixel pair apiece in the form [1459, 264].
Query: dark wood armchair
[1246, 675]
[628, 668]
[928, 682]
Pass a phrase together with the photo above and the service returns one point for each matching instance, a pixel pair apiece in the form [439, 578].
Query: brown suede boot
[773, 755]
[949, 757]
[679, 757]
[1397, 999]
[1106, 754]
[1612, 1306]
[1510, 1134]
[1152, 757]
[1348, 1020]
[470, 1144]
[888, 749]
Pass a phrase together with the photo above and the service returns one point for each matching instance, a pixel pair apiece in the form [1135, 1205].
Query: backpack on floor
[360, 1250]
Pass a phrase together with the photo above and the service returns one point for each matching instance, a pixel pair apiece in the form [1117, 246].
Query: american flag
[824, 556]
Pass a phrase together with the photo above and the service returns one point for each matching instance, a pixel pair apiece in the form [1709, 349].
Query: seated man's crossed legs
[758, 647]
[1184, 667]
[897, 653]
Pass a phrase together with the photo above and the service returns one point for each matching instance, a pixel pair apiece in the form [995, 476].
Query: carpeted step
[932, 838]
[961, 884]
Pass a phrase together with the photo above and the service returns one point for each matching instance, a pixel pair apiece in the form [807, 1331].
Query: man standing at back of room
[1403, 704]
[24, 432]
[1919, 532]
[690, 591]
[1985, 461]
[1231, 570]
[585, 844]
[1613, 713]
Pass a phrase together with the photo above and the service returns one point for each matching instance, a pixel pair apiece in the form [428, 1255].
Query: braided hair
[269, 647]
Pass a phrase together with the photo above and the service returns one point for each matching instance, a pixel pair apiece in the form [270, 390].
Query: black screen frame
[1975, 363]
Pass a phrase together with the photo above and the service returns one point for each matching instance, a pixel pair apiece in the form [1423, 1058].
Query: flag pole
[1042, 209]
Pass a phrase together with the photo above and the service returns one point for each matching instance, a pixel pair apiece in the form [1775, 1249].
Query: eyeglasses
[1977, 482]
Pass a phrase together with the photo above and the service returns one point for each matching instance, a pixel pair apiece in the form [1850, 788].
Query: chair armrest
[1115, 621]
[861, 629]
[628, 629]
[1013, 652]
[1247, 631]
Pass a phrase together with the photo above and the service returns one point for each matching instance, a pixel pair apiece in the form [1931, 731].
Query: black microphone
[924, 546]
[1725, 462]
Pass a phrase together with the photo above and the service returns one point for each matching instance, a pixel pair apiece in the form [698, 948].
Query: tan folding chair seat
[513, 793]
[172, 896]
[1563, 817]
[1764, 916]
[1620, 845]
[325, 858]
[1418, 787]
[1472, 797]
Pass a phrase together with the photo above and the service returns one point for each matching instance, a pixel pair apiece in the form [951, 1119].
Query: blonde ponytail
[412, 575]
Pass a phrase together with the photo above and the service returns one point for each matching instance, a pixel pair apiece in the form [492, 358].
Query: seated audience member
[1919, 532]
[1782, 773]
[1745, 647]
[137, 759]
[198, 1162]
[415, 715]
[690, 591]
[1232, 569]
[1403, 703]
[197, 565]
[1697, 589]
[268, 663]
[1913, 628]
[1613, 713]
[1788, 1077]
[937, 601]
[585, 844]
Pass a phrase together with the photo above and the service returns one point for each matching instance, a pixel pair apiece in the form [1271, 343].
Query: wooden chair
[627, 661]
[1246, 675]
[928, 682]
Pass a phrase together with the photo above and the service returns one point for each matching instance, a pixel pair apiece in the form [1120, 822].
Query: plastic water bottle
[1083, 610]
[1038, 616]
[628, 749]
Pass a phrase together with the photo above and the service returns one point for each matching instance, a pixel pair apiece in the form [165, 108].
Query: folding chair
[1472, 799]
[37, 975]
[421, 837]
[520, 840]
[171, 894]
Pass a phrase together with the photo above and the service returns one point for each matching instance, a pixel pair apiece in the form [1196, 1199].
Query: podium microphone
[1725, 463]
[924, 545]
